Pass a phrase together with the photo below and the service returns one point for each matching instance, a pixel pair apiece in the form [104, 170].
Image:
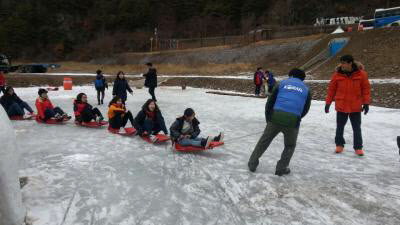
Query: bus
[387, 17]
[366, 24]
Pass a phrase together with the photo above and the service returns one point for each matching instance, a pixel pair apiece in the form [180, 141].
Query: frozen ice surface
[89, 176]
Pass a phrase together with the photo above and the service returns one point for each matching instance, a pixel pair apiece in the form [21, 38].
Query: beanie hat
[188, 112]
[347, 59]
[298, 73]
[41, 91]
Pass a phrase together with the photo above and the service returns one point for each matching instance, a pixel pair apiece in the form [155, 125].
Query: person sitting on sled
[13, 105]
[118, 116]
[149, 121]
[84, 112]
[185, 131]
[46, 110]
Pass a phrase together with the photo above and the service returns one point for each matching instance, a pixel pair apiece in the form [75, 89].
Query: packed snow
[89, 176]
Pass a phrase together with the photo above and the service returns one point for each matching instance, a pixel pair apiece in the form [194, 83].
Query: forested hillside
[59, 29]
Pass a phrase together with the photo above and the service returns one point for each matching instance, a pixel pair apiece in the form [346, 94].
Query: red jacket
[42, 105]
[2, 80]
[349, 92]
[79, 107]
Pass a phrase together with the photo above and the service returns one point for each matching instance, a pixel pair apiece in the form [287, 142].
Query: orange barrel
[67, 83]
[349, 29]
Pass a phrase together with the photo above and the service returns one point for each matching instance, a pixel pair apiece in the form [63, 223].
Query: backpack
[98, 83]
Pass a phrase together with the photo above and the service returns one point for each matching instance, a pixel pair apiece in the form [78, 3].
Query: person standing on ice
[270, 81]
[100, 84]
[46, 110]
[2, 82]
[151, 80]
[149, 121]
[351, 91]
[118, 116]
[120, 87]
[288, 104]
[13, 105]
[185, 131]
[258, 80]
[84, 112]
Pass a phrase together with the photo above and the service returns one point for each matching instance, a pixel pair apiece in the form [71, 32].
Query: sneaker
[339, 149]
[359, 152]
[27, 116]
[153, 138]
[282, 172]
[220, 137]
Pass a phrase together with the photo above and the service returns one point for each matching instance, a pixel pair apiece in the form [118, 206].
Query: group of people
[290, 102]
[287, 104]
[260, 77]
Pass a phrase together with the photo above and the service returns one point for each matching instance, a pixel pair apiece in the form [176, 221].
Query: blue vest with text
[292, 96]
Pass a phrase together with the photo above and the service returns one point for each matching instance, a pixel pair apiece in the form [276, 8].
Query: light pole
[151, 44]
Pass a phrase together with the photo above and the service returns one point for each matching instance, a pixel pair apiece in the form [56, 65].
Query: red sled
[160, 138]
[181, 148]
[130, 131]
[92, 124]
[51, 121]
[22, 118]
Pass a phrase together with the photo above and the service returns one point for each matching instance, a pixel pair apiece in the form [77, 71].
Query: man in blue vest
[288, 104]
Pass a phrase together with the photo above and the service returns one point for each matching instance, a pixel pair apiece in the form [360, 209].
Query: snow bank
[12, 211]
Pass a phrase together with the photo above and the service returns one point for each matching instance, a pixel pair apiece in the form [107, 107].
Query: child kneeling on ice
[149, 121]
[185, 131]
[46, 110]
[84, 112]
[117, 114]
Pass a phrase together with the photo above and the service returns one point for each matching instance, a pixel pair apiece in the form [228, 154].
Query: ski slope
[85, 176]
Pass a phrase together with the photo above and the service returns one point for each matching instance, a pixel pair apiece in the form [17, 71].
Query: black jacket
[120, 88]
[7, 100]
[141, 117]
[151, 78]
[176, 128]
[105, 85]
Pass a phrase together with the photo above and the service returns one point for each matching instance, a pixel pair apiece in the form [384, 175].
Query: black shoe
[252, 166]
[220, 137]
[102, 102]
[398, 142]
[282, 172]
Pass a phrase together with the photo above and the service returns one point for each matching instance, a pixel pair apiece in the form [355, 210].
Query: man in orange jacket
[350, 89]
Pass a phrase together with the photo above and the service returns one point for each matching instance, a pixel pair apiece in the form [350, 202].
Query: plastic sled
[130, 131]
[22, 118]
[51, 121]
[92, 124]
[160, 138]
[181, 148]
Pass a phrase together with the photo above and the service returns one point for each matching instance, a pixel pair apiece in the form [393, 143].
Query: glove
[365, 109]
[327, 108]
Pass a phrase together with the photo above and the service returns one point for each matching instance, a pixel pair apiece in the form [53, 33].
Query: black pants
[355, 119]
[151, 127]
[100, 100]
[258, 89]
[120, 121]
[88, 115]
[49, 113]
[398, 143]
[151, 91]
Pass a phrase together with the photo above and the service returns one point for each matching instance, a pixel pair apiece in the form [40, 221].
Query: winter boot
[339, 149]
[220, 137]
[206, 142]
[58, 117]
[359, 152]
[102, 101]
[65, 116]
[282, 172]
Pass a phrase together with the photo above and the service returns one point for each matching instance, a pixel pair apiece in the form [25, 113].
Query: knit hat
[188, 112]
[41, 91]
[298, 73]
